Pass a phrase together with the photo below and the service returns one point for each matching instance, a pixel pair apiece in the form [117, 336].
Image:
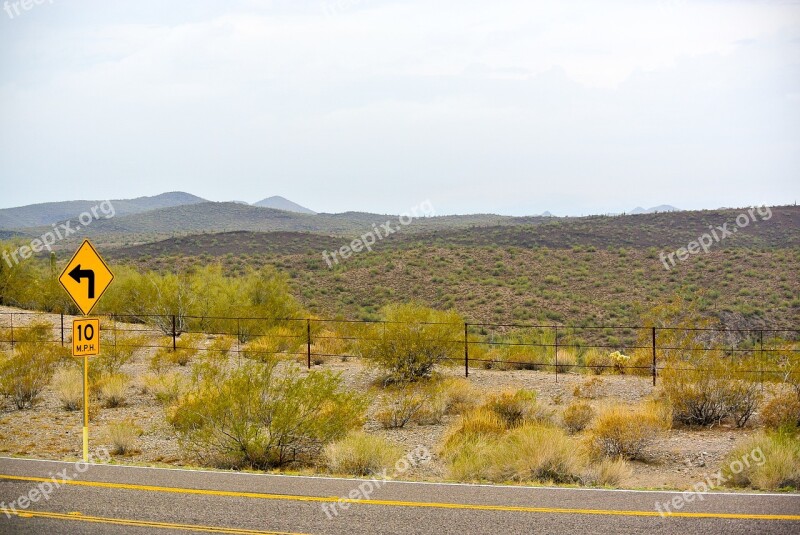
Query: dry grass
[516, 407]
[460, 395]
[566, 361]
[590, 389]
[123, 437]
[627, 432]
[577, 416]
[166, 387]
[782, 410]
[68, 384]
[400, 406]
[113, 389]
[610, 472]
[768, 461]
[360, 454]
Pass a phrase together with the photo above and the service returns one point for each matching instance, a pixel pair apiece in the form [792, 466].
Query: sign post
[85, 279]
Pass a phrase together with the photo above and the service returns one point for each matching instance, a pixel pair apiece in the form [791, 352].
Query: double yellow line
[141, 523]
[397, 503]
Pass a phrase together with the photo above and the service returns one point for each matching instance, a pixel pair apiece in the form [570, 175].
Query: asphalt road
[119, 499]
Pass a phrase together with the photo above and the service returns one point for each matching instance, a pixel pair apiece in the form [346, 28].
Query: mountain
[36, 215]
[280, 203]
[654, 210]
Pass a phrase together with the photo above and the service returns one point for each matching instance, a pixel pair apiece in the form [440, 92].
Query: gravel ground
[47, 431]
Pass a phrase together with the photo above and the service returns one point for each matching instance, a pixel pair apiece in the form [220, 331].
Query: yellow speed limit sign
[85, 337]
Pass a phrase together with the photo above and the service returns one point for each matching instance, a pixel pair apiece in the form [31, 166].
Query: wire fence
[763, 354]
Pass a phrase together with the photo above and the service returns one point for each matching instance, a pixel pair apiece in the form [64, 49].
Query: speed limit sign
[85, 337]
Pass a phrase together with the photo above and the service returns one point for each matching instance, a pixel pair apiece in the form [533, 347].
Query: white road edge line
[431, 483]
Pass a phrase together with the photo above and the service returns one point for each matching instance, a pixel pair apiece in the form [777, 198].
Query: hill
[37, 215]
[280, 203]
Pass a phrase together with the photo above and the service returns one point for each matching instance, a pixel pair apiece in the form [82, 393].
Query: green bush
[25, 372]
[413, 341]
[251, 415]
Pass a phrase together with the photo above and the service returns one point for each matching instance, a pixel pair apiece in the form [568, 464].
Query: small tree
[412, 340]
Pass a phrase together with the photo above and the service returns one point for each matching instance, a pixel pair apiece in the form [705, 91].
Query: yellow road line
[141, 523]
[396, 503]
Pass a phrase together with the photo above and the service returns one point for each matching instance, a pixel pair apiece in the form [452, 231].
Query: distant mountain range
[36, 215]
[654, 210]
[280, 203]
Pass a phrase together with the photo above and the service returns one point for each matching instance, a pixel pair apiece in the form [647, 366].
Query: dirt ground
[683, 458]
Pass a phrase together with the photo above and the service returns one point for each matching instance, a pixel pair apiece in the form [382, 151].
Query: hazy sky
[511, 107]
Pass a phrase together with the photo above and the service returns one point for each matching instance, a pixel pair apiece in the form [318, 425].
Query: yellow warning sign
[86, 277]
[85, 337]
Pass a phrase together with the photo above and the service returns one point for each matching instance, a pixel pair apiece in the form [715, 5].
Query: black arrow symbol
[77, 274]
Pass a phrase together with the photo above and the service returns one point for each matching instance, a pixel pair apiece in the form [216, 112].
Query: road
[94, 499]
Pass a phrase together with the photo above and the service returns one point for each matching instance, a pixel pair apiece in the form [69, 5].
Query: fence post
[761, 349]
[308, 341]
[174, 335]
[62, 329]
[466, 349]
[654, 355]
[556, 345]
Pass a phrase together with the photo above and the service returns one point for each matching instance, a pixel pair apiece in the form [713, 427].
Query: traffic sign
[86, 277]
[85, 337]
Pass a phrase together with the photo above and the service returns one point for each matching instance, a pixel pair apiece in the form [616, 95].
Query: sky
[509, 107]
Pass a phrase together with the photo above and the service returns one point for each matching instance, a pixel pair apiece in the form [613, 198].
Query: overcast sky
[511, 107]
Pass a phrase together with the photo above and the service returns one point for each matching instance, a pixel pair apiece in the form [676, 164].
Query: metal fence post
[62, 329]
[654, 355]
[556, 346]
[761, 349]
[174, 335]
[308, 341]
[466, 349]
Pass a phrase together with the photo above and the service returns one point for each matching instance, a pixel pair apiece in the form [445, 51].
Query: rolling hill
[280, 203]
[37, 215]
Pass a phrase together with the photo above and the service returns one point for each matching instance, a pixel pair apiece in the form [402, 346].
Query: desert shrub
[609, 472]
[577, 416]
[619, 362]
[68, 384]
[123, 437]
[515, 407]
[479, 426]
[566, 361]
[249, 415]
[590, 389]
[113, 389]
[38, 331]
[165, 387]
[360, 454]
[709, 390]
[117, 351]
[782, 410]
[460, 395]
[278, 341]
[326, 344]
[25, 372]
[401, 405]
[413, 341]
[479, 448]
[598, 361]
[220, 346]
[641, 362]
[536, 452]
[627, 432]
[164, 357]
[767, 461]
